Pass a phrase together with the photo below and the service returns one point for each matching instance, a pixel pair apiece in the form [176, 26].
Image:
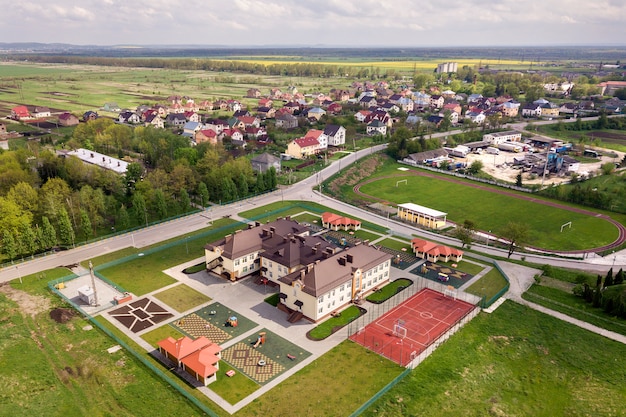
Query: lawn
[500, 365]
[62, 370]
[388, 291]
[464, 266]
[486, 210]
[334, 385]
[488, 285]
[232, 389]
[160, 333]
[182, 298]
[395, 244]
[573, 306]
[326, 328]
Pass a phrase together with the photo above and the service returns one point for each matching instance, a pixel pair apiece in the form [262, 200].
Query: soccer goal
[399, 330]
[564, 225]
[405, 182]
[449, 292]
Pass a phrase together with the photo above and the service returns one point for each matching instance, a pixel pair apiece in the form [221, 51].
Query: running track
[618, 242]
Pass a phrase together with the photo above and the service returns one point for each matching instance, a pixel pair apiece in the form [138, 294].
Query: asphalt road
[304, 190]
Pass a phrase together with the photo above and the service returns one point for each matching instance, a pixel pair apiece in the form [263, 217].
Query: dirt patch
[28, 304]
[558, 284]
[62, 315]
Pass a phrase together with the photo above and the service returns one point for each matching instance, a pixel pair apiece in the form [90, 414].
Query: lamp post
[187, 244]
[18, 274]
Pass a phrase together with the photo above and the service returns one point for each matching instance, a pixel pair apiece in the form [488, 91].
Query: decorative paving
[246, 358]
[140, 315]
[401, 260]
[196, 326]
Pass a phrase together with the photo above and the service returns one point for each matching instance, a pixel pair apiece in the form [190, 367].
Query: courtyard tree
[9, 246]
[516, 234]
[48, 234]
[85, 224]
[464, 232]
[66, 233]
[475, 167]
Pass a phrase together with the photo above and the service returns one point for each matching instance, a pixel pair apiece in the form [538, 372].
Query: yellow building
[421, 215]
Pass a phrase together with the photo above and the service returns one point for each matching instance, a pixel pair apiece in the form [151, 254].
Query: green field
[492, 211]
[182, 297]
[514, 362]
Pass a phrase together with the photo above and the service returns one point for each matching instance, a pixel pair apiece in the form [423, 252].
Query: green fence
[484, 303]
[380, 393]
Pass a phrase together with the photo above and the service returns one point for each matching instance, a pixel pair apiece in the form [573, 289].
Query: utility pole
[93, 285]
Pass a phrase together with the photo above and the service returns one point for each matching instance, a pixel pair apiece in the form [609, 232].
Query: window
[245, 269]
[237, 262]
[321, 309]
[264, 262]
[271, 275]
[328, 305]
[369, 283]
[386, 273]
[333, 303]
[322, 299]
[341, 288]
[333, 293]
[245, 259]
[251, 267]
[341, 298]
[271, 264]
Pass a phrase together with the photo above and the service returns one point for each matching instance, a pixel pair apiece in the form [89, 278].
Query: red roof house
[336, 222]
[435, 252]
[199, 357]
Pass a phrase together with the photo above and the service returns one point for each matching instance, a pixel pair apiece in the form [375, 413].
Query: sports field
[407, 330]
[491, 208]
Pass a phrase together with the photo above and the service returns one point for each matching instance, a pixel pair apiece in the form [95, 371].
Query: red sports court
[407, 330]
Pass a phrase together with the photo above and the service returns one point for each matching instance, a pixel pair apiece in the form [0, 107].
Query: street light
[186, 244]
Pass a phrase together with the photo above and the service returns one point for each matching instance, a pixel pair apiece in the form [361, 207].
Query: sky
[348, 23]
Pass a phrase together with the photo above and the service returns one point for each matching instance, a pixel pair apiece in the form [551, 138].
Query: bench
[293, 358]
[335, 314]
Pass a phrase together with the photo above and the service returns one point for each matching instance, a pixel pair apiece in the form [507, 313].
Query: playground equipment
[260, 340]
[232, 321]
[443, 277]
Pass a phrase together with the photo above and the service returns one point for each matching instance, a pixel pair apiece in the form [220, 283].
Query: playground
[442, 273]
[407, 330]
[264, 355]
[216, 322]
[140, 315]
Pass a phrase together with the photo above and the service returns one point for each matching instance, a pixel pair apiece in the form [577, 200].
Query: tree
[607, 168]
[28, 240]
[140, 213]
[608, 280]
[85, 224]
[25, 196]
[518, 180]
[66, 233]
[160, 204]
[271, 178]
[9, 247]
[619, 277]
[475, 167]
[185, 203]
[123, 220]
[48, 234]
[133, 175]
[516, 234]
[203, 192]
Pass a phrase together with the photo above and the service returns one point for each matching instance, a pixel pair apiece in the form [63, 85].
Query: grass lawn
[182, 297]
[273, 300]
[395, 244]
[62, 370]
[573, 306]
[502, 365]
[232, 389]
[325, 329]
[308, 218]
[160, 333]
[388, 290]
[334, 385]
[488, 285]
[464, 266]
[486, 208]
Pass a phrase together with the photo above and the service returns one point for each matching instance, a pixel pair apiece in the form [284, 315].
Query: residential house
[303, 147]
[68, 119]
[253, 93]
[154, 120]
[341, 95]
[293, 107]
[192, 116]
[569, 108]
[235, 135]
[336, 135]
[266, 112]
[276, 94]
[435, 252]
[361, 115]
[336, 222]
[199, 358]
[334, 108]
[234, 105]
[316, 113]
[326, 286]
[406, 104]
[476, 117]
[454, 116]
[205, 105]
[319, 135]
[448, 94]
[238, 255]
[608, 88]
[20, 113]
[250, 121]
[435, 120]
[376, 127]
[265, 161]
[236, 123]
[368, 101]
[266, 102]
[436, 101]
[89, 115]
[191, 128]
[129, 117]
[531, 110]
[255, 133]
[191, 107]
[242, 113]
[217, 125]
[389, 107]
[176, 108]
[206, 135]
[549, 110]
[175, 120]
[111, 107]
[510, 108]
[452, 106]
[286, 121]
[413, 119]
[39, 112]
[175, 99]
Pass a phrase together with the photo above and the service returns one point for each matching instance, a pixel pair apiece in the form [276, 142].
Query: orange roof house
[199, 357]
[435, 252]
[335, 222]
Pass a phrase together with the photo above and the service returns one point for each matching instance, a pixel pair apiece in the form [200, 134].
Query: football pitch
[491, 208]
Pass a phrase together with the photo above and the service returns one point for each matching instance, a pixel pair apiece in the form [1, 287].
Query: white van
[493, 151]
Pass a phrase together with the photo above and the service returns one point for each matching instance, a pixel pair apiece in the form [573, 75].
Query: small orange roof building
[199, 357]
[435, 252]
[335, 222]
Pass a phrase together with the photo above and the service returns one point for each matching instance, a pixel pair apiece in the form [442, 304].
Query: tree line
[48, 201]
[608, 294]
